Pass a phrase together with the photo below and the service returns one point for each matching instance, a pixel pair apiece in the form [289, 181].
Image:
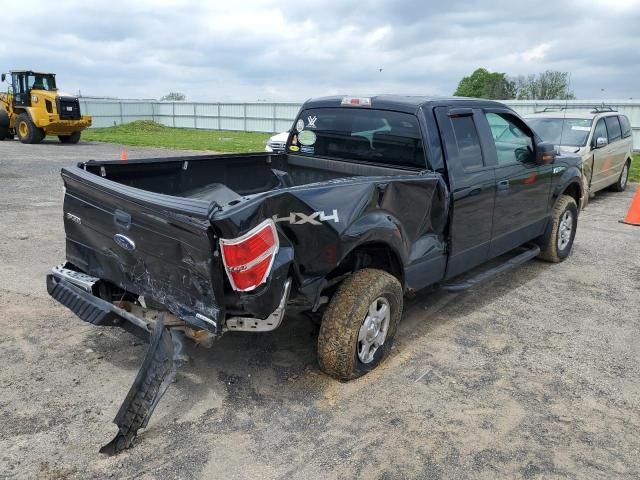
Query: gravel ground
[532, 375]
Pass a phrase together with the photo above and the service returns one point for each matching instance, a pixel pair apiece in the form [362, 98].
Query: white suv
[277, 143]
[601, 136]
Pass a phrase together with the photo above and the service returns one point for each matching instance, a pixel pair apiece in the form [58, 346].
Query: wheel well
[371, 255]
[574, 190]
[17, 112]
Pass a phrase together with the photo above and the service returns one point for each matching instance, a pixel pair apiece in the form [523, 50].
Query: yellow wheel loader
[32, 108]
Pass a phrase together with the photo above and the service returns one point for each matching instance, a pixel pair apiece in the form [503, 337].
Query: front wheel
[360, 323]
[565, 222]
[621, 184]
[73, 138]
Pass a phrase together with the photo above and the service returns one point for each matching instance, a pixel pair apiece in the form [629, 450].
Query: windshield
[360, 134]
[38, 81]
[574, 133]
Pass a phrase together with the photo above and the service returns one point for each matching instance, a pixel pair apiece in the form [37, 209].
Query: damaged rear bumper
[74, 290]
[77, 291]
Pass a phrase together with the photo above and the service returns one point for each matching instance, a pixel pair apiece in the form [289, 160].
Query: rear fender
[375, 230]
[19, 110]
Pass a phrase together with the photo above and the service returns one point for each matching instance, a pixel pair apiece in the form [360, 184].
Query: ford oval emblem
[124, 242]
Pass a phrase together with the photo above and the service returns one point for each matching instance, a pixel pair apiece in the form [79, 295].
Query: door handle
[503, 185]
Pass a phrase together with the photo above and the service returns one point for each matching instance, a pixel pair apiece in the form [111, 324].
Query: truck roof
[402, 103]
[31, 71]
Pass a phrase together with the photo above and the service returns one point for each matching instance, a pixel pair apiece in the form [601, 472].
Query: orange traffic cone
[633, 215]
[123, 154]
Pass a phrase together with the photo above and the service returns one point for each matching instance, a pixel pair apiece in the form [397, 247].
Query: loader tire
[73, 138]
[4, 125]
[27, 131]
[360, 323]
[565, 223]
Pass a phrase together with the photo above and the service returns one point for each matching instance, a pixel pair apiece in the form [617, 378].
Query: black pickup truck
[375, 197]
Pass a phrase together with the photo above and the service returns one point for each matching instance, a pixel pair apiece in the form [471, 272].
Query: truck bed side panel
[325, 222]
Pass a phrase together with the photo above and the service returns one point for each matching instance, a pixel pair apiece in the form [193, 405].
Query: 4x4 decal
[315, 218]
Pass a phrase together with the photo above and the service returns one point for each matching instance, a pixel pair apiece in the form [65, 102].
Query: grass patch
[151, 134]
[634, 173]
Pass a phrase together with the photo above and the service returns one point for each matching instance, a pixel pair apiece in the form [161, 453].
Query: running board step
[512, 262]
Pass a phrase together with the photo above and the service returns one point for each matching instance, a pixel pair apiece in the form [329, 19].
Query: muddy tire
[27, 131]
[360, 323]
[73, 138]
[621, 184]
[565, 223]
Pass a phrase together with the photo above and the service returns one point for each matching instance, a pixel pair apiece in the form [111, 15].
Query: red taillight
[248, 259]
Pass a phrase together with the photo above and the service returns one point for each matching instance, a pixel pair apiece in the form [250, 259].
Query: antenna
[564, 116]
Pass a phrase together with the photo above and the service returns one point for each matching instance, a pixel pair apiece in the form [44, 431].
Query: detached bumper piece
[157, 372]
[164, 355]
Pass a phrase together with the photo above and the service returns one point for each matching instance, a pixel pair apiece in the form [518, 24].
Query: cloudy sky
[291, 50]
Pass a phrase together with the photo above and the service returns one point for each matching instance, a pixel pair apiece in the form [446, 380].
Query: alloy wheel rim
[625, 173]
[565, 229]
[374, 329]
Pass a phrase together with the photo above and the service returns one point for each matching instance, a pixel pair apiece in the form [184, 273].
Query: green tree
[174, 97]
[548, 85]
[484, 84]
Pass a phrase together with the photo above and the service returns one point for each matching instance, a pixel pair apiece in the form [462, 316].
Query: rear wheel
[73, 138]
[565, 222]
[621, 184]
[360, 323]
[4, 133]
[27, 131]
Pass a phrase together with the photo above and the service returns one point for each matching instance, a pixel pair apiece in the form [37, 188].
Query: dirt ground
[533, 375]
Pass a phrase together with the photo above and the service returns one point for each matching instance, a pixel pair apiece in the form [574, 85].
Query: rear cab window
[366, 135]
[467, 142]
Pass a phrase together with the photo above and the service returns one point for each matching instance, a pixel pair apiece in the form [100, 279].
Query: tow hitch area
[163, 357]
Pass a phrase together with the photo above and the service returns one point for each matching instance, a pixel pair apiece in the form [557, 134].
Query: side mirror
[601, 142]
[4, 77]
[545, 153]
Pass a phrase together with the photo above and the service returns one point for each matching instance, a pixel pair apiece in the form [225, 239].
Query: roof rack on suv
[603, 108]
[551, 109]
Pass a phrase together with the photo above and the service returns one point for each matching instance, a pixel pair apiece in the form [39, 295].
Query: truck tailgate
[149, 244]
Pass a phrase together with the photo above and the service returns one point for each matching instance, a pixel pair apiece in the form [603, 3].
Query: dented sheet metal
[154, 252]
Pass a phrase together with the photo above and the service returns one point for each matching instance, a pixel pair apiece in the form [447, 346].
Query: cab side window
[599, 132]
[613, 127]
[467, 141]
[513, 143]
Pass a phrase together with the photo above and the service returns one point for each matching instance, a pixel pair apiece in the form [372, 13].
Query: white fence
[277, 117]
